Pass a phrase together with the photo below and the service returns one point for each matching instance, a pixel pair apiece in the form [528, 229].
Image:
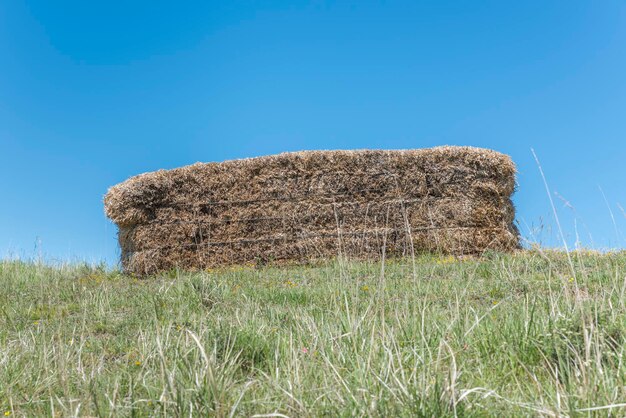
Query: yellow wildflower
[137, 363]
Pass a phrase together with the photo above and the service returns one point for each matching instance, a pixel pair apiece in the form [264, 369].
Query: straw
[298, 207]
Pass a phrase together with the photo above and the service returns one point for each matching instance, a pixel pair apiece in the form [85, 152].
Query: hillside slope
[511, 335]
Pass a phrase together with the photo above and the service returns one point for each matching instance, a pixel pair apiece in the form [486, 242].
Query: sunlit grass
[508, 335]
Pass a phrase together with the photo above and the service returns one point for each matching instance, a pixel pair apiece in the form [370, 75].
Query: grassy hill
[510, 335]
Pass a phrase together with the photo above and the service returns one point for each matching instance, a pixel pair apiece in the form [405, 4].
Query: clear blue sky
[92, 92]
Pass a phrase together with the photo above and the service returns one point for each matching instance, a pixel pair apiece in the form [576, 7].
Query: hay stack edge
[304, 206]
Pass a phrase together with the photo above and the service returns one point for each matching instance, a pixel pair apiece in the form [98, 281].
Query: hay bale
[316, 204]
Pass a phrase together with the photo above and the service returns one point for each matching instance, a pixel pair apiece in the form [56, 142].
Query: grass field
[529, 334]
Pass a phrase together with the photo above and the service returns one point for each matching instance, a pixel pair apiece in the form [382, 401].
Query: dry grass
[316, 204]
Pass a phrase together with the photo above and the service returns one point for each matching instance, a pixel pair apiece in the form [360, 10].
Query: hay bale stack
[316, 204]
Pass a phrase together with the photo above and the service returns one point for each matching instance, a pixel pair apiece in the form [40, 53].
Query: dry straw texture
[316, 204]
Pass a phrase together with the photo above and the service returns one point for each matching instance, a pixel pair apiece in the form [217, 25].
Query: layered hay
[316, 204]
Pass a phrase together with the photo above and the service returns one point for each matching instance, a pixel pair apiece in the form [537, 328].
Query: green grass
[508, 335]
